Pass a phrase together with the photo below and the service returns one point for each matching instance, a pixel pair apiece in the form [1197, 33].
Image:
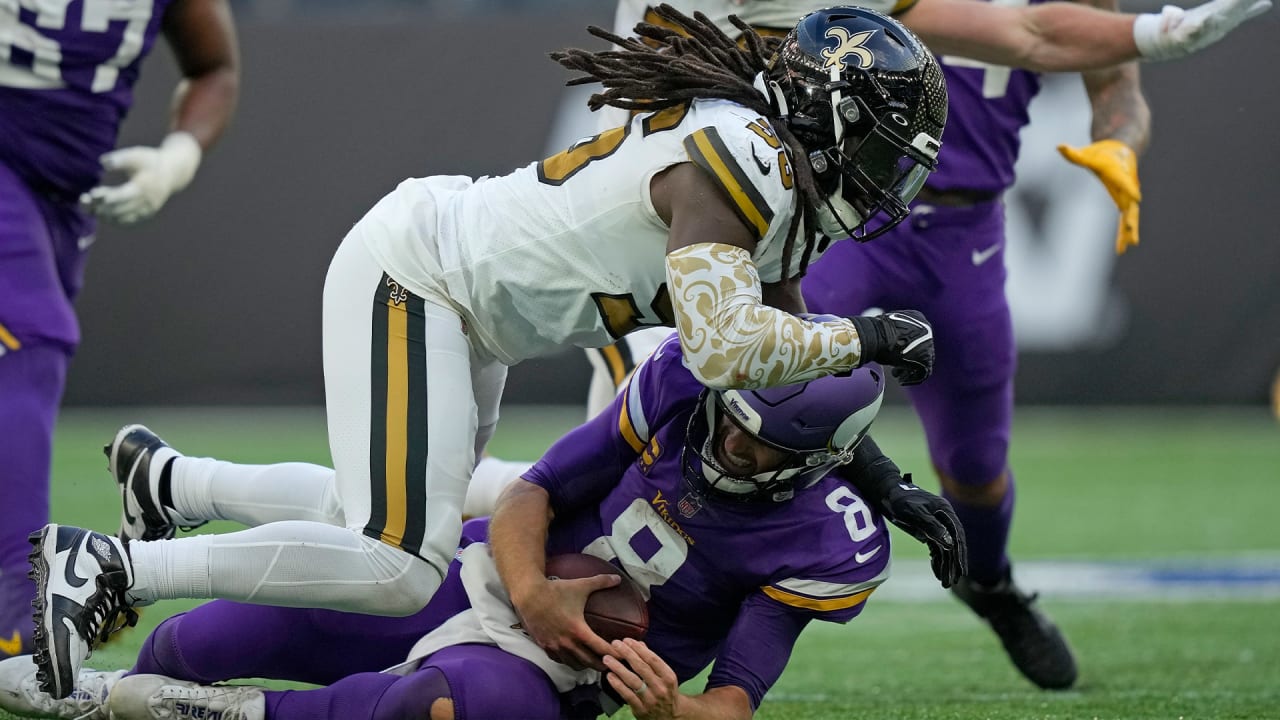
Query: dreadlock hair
[697, 60]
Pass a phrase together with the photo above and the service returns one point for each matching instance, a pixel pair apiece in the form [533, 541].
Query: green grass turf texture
[1093, 484]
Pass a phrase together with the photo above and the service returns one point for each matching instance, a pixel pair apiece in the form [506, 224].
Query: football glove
[902, 339]
[1116, 165]
[1175, 33]
[154, 173]
[931, 520]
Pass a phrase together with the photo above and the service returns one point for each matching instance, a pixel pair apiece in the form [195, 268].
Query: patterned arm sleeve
[732, 340]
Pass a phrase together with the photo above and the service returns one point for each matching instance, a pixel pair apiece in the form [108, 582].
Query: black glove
[931, 520]
[917, 512]
[900, 338]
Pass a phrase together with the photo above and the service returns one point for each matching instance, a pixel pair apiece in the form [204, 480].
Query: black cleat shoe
[1033, 642]
[137, 458]
[82, 582]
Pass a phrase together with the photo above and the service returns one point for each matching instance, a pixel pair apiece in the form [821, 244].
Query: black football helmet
[815, 426]
[869, 103]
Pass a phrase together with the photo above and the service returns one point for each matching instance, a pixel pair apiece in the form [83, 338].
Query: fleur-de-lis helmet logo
[848, 45]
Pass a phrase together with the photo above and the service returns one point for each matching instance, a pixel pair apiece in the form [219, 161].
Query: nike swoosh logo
[84, 242]
[69, 570]
[981, 256]
[13, 646]
[764, 166]
[861, 557]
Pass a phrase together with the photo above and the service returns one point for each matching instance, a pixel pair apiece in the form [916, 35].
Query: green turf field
[1187, 487]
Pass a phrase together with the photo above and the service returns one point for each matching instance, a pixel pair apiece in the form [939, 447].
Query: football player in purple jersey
[67, 71]
[720, 504]
[947, 258]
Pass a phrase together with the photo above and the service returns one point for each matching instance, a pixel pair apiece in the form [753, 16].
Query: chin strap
[772, 92]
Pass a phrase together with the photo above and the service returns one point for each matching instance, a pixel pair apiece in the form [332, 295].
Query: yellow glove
[1116, 165]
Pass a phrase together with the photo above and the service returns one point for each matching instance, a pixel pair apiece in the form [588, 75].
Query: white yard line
[1255, 576]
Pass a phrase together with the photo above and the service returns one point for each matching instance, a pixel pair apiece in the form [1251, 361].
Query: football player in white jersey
[1037, 36]
[698, 213]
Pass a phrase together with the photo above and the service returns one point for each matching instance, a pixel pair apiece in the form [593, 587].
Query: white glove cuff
[1152, 34]
[180, 152]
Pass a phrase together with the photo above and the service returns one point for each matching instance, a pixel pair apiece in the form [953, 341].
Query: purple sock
[987, 531]
[31, 382]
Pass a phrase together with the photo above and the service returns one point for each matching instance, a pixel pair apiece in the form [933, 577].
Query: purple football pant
[949, 264]
[41, 267]
[224, 640]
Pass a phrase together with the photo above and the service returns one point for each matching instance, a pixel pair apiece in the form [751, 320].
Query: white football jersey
[569, 250]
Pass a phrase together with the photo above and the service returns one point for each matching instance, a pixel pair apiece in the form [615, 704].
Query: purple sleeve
[581, 467]
[585, 464]
[758, 647]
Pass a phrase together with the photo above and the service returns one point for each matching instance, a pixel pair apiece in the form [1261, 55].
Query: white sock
[209, 489]
[290, 564]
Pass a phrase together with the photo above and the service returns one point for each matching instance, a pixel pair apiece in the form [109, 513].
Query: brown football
[613, 613]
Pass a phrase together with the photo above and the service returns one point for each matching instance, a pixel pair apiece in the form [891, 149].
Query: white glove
[154, 175]
[1176, 33]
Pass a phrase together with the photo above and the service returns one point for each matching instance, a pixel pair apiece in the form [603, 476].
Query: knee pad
[411, 697]
[487, 682]
[977, 461]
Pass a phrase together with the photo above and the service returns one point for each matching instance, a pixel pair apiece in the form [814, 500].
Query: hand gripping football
[613, 613]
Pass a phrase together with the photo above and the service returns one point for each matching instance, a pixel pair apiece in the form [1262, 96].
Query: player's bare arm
[1064, 36]
[551, 611]
[203, 39]
[650, 688]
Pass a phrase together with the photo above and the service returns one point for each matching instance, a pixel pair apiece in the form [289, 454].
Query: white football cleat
[20, 692]
[82, 582]
[156, 697]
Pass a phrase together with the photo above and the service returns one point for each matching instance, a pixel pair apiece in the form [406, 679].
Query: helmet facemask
[796, 468]
[872, 128]
[797, 434]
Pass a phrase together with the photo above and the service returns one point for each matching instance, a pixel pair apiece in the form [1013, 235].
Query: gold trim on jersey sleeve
[627, 430]
[707, 150]
[821, 605]
[8, 340]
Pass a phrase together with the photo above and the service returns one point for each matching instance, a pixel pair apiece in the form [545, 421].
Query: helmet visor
[882, 173]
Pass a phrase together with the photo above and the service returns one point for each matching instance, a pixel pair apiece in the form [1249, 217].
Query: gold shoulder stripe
[8, 340]
[808, 603]
[664, 119]
[628, 431]
[709, 152]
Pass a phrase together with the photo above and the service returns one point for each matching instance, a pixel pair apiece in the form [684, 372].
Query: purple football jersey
[67, 83]
[730, 582]
[987, 110]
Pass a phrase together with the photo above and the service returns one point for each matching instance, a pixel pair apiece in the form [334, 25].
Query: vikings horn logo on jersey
[848, 45]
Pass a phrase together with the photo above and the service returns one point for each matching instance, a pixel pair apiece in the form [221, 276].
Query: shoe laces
[112, 612]
[87, 700]
[228, 695]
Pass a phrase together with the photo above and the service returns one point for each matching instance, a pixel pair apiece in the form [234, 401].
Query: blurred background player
[948, 257]
[67, 72]
[448, 280]
[718, 503]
